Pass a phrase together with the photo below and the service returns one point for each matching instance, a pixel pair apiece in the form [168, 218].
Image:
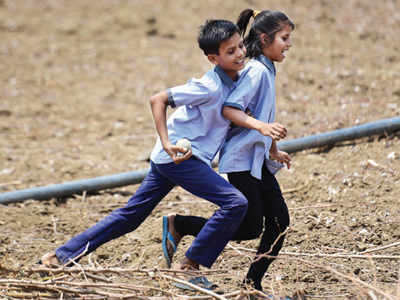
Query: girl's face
[275, 51]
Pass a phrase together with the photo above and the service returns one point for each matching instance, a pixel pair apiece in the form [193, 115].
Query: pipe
[122, 179]
[74, 187]
[340, 135]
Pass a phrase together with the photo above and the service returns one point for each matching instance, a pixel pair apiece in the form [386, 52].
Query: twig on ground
[266, 254]
[10, 183]
[38, 285]
[296, 189]
[54, 224]
[119, 271]
[125, 286]
[62, 286]
[351, 278]
[314, 206]
[380, 248]
[96, 277]
[75, 259]
[341, 255]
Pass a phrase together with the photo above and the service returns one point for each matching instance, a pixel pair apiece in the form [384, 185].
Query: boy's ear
[213, 58]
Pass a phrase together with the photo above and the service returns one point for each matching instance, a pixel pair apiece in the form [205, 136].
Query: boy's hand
[178, 154]
[275, 130]
[282, 157]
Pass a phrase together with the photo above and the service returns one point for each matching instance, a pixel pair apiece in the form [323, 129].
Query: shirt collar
[267, 62]
[224, 77]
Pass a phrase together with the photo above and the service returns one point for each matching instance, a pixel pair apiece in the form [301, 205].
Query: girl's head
[269, 33]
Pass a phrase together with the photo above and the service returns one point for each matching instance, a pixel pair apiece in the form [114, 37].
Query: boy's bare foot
[189, 265]
[50, 260]
[170, 239]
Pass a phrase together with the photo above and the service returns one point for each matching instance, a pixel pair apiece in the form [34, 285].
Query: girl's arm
[278, 155]
[274, 130]
[159, 104]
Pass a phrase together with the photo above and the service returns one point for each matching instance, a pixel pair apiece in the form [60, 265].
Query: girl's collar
[267, 62]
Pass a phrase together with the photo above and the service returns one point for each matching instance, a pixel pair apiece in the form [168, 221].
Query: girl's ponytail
[243, 20]
[265, 21]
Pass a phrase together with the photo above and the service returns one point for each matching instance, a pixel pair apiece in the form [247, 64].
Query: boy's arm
[159, 104]
[274, 130]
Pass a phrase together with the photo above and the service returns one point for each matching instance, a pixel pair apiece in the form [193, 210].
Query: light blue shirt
[198, 117]
[246, 149]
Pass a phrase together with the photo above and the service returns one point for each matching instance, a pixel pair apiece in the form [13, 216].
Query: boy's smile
[231, 57]
[282, 42]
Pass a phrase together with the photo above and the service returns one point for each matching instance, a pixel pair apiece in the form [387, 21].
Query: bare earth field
[75, 79]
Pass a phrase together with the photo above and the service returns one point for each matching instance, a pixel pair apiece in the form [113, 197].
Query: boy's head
[213, 33]
[222, 44]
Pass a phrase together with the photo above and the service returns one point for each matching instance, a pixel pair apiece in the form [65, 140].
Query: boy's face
[231, 57]
[282, 42]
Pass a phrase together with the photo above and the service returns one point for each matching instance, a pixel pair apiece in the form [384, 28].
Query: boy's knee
[242, 202]
[239, 203]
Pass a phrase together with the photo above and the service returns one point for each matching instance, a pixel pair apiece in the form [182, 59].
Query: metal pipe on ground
[123, 179]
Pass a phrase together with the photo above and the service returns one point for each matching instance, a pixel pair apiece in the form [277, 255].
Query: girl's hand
[178, 154]
[282, 157]
[275, 130]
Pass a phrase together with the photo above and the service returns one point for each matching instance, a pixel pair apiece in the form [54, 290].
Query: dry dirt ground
[75, 79]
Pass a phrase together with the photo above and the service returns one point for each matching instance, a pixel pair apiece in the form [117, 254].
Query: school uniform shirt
[199, 116]
[246, 149]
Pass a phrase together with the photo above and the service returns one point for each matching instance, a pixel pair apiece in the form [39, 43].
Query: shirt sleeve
[194, 92]
[246, 88]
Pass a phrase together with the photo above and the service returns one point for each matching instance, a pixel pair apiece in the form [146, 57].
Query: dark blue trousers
[194, 176]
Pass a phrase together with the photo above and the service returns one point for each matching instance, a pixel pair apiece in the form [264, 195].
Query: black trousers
[267, 213]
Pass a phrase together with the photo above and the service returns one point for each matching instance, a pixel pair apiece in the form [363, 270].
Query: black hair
[266, 21]
[213, 33]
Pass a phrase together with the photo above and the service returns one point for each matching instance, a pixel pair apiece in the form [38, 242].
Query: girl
[246, 153]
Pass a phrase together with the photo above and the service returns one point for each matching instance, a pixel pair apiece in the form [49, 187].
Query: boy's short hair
[213, 33]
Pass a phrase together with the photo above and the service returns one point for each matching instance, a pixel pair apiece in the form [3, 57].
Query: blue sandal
[167, 237]
[200, 281]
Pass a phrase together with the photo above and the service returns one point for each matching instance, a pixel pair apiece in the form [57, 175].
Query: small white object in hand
[184, 143]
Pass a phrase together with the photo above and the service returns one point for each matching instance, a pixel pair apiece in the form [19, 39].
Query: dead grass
[76, 77]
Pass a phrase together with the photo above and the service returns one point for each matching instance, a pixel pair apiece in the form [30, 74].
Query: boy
[198, 119]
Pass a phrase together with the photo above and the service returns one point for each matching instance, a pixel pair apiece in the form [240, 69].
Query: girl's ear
[265, 40]
[212, 58]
